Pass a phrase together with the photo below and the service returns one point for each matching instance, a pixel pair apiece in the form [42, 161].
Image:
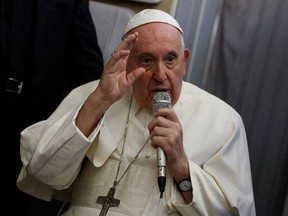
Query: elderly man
[99, 148]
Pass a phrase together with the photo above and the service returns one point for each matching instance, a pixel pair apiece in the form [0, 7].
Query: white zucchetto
[149, 16]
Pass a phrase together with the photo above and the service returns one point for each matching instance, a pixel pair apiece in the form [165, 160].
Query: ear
[185, 59]
[186, 54]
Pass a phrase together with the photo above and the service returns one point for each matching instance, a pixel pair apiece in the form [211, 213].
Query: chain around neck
[116, 181]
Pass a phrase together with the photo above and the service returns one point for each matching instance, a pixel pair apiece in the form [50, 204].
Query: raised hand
[114, 83]
[115, 80]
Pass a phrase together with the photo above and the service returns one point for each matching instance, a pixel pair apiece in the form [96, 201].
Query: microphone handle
[161, 160]
[161, 100]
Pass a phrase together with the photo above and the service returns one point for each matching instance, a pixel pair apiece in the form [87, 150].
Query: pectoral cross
[108, 201]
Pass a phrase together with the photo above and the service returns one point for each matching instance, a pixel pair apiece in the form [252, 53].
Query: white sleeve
[59, 150]
[222, 185]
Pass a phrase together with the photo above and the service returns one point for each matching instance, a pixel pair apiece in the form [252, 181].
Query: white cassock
[53, 152]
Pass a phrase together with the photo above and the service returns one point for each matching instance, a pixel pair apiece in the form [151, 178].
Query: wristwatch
[184, 185]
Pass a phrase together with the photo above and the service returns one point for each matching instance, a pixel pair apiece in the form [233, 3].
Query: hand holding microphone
[161, 100]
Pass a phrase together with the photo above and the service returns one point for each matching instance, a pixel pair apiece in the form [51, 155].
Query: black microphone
[161, 100]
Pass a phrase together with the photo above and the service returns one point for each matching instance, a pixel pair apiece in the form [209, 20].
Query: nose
[159, 74]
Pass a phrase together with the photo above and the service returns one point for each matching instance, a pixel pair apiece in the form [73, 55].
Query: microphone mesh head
[161, 100]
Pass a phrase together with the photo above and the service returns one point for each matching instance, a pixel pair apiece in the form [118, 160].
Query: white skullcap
[150, 16]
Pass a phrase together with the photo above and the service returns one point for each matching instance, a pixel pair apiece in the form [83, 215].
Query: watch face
[185, 185]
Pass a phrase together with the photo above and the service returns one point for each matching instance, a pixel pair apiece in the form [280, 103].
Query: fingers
[165, 120]
[168, 135]
[129, 41]
[164, 128]
[119, 57]
[115, 80]
[161, 127]
[125, 45]
[167, 113]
